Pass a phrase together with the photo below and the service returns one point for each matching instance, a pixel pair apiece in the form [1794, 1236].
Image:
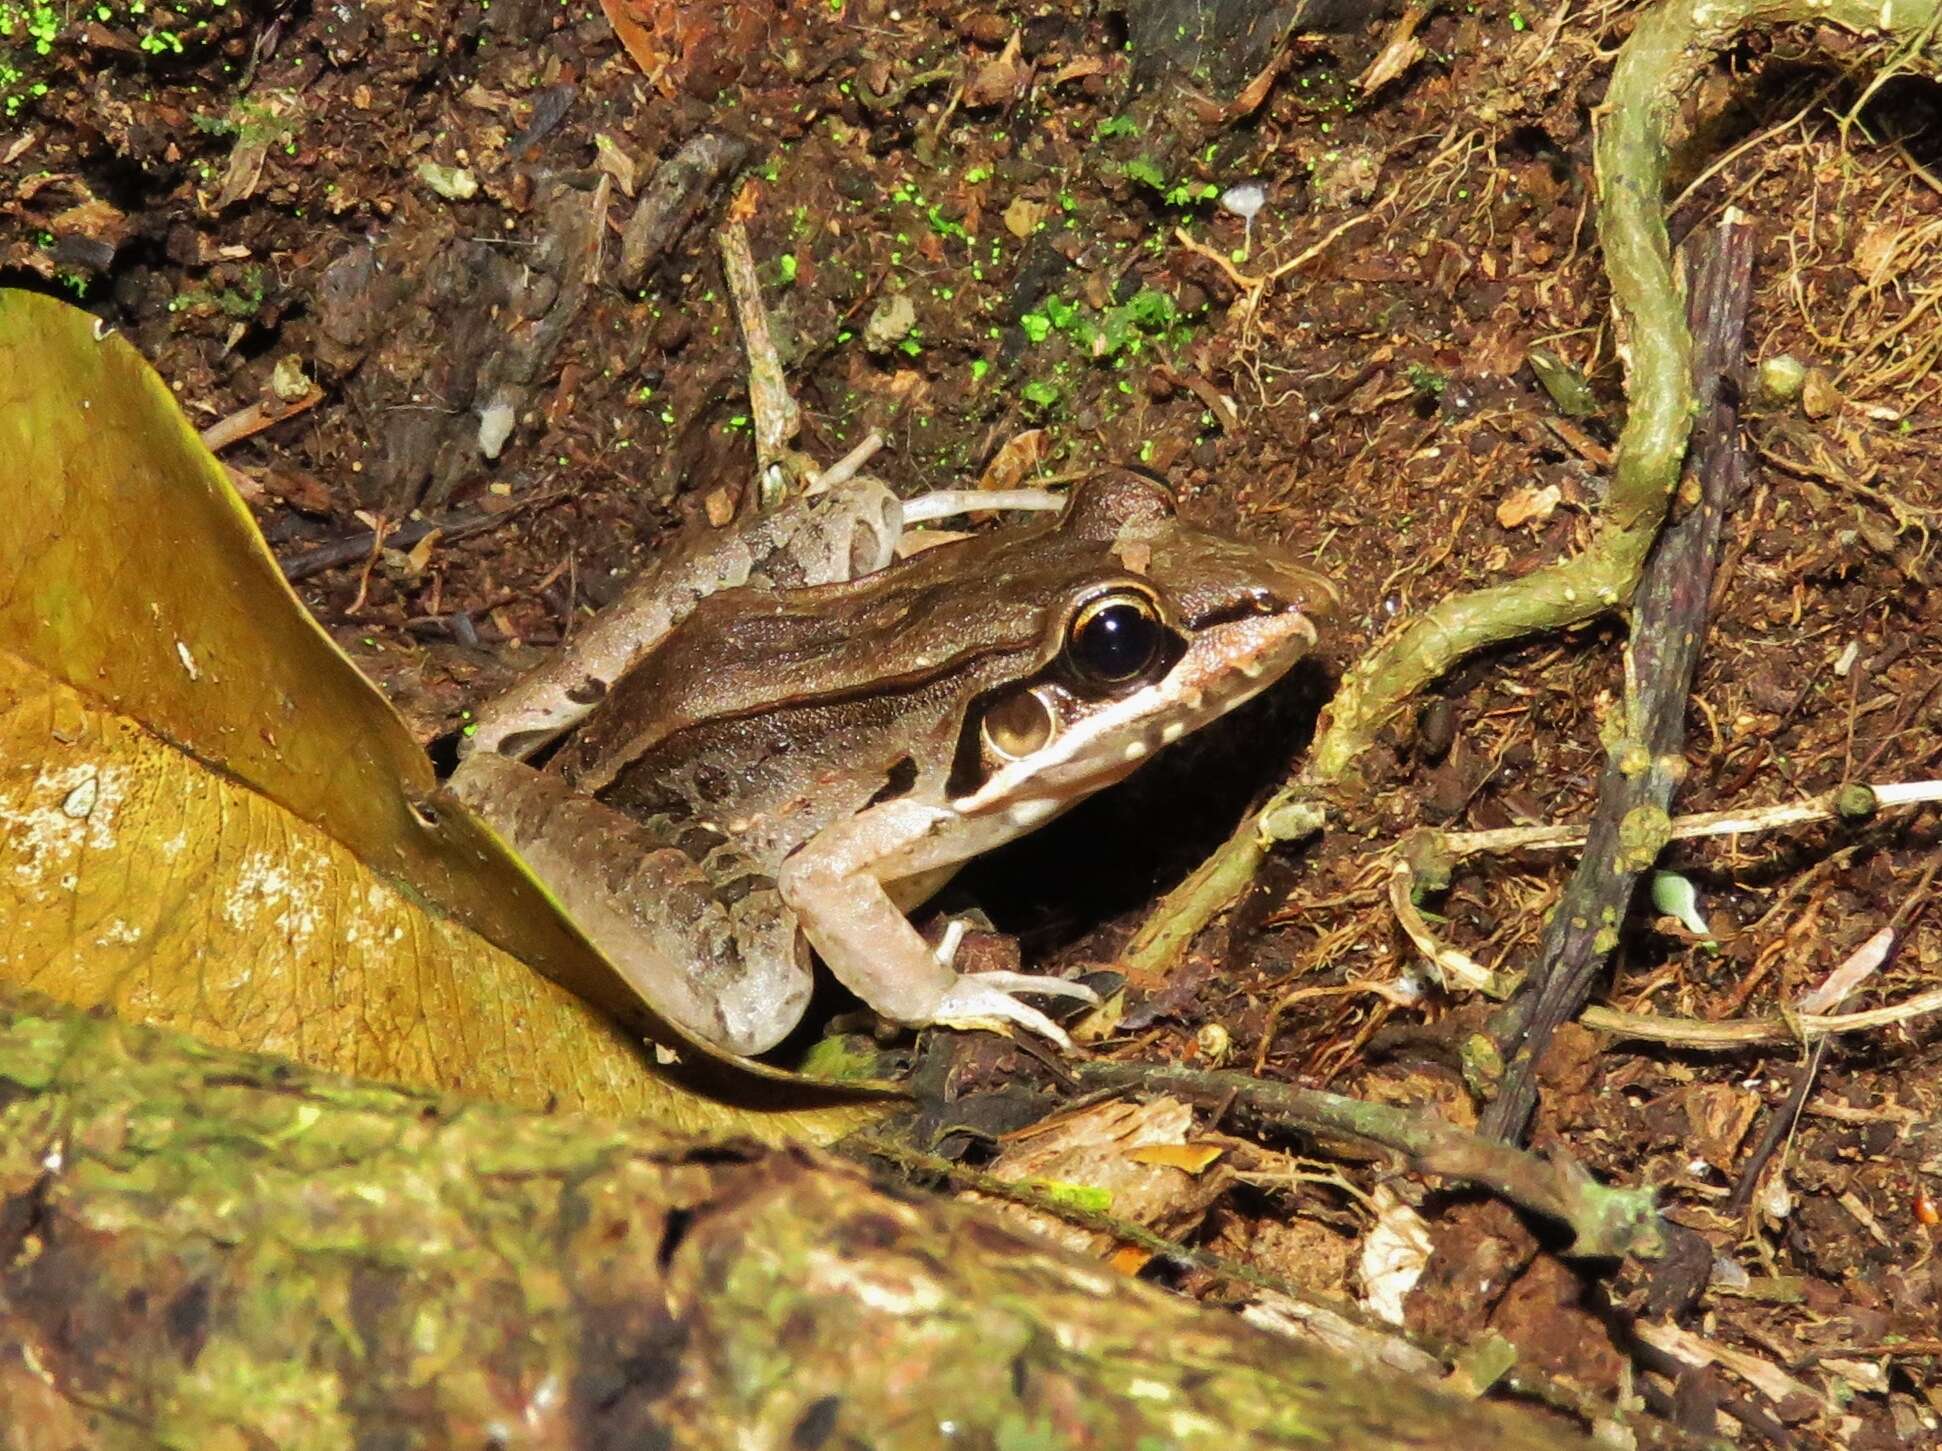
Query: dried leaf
[995, 83]
[95, 219]
[1085, 65]
[1023, 215]
[1875, 250]
[1021, 453]
[635, 40]
[1394, 1255]
[1717, 1118]
[676, 42]
[420, 556]
[1399, 52]
[998, 82]
[243, 174]
[1846, 980]
[746, 202]
[1188, 1158]
[1526, 505]
[1127, 1153]
[1819, 398]
[616, 161]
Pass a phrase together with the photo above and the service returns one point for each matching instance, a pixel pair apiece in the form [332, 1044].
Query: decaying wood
[205, 1248]
[681, 188]
[1644, 765]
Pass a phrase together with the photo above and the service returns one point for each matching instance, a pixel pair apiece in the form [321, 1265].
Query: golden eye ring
[1115, 638]
[1017, 726]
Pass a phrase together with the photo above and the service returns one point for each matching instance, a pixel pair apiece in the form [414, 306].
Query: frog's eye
[1115, 638]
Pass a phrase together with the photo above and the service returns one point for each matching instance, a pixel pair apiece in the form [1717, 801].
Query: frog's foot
[978, 999]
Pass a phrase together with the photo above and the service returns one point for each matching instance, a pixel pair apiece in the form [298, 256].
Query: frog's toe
[983, 998]
[946, 951]
[1026, 982]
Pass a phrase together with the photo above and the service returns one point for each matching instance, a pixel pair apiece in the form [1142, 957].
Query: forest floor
[994, 234]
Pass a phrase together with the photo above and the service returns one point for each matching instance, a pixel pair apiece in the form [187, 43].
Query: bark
[209, 1249]
[1644, 764]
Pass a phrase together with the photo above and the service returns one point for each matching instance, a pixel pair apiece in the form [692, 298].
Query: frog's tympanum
[796, 765]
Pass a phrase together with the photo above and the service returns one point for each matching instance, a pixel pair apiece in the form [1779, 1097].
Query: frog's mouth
[1224, 665]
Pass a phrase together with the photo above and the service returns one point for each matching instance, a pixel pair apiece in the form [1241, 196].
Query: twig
[1327, 240]
[1628, 829]
[1454, 967]
[360, 545]
[381, 529]
[951, 503]
[1254, 288]
[1247, 284]
[1604, 1221]
[777, 419]
[255, 417]
[1163, 938]
[1734, 1033]
[1850, 801]
[1779, 1128]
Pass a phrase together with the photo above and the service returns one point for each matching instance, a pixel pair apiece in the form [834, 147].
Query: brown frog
[797, 766]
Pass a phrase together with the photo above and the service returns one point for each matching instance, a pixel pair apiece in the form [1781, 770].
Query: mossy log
[209, 1249]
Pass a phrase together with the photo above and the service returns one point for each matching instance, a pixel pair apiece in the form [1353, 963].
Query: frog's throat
[1224, 666]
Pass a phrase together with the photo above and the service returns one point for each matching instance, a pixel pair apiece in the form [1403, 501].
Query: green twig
[1603, 1221]
[1658, 66]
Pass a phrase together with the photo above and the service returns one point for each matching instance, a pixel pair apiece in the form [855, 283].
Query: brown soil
[274, 191]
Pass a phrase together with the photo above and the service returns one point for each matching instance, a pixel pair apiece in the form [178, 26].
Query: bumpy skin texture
[813, 755]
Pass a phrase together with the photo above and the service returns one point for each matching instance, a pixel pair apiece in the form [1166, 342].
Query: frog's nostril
[1314, 593]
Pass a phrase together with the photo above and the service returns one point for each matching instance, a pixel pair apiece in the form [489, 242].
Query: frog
[809, 735]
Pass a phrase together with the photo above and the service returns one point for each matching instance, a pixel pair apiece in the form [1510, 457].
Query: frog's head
[1152, 628]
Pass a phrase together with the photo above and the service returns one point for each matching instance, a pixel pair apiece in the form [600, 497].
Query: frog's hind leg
[692, 924]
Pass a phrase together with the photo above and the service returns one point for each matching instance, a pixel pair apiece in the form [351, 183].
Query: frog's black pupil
[1117, 642]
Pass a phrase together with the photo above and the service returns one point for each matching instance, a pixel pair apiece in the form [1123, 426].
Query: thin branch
[1604, 1221]
[1848, 802]
[777, 418]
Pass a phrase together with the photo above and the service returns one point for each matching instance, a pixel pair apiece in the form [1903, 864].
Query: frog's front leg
[836, 884]
[695, 928]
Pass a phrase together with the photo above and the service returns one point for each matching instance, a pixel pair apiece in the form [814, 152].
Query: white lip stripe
[1295, 633]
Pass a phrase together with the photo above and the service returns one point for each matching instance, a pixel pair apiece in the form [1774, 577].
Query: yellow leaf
[1188, 1158]
[1023, 215]
[210, 821]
